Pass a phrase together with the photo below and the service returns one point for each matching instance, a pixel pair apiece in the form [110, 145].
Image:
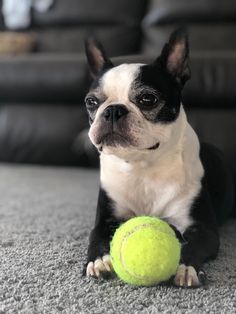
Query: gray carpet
[45, 218]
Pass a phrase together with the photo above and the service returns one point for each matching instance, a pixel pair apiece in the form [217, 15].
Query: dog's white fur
[161, 182]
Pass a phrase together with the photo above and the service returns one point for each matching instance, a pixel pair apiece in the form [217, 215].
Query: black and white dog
[151, 159]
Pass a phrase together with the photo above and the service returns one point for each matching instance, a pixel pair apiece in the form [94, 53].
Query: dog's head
[132, 107]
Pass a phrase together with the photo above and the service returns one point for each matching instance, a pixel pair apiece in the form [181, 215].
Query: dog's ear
[175, 56]
[96, 56]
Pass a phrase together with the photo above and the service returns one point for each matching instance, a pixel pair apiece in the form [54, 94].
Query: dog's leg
[201, 244]
[98, 258]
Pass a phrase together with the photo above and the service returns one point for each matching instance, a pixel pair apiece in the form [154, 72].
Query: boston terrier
[151, 160]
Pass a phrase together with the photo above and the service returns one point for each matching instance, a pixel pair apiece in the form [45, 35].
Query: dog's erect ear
[96, 56]
[175, 56]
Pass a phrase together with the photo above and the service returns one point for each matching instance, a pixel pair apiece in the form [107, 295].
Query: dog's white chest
[142, 191]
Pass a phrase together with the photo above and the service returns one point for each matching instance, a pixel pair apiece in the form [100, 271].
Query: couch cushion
[87, 12]
[212, 80]
[216, 127]
[65, 78]
[67, 23]
[190, 11]
[44, 134]
[65, 26]
[43, 78]
[117, 39]
[202, 37]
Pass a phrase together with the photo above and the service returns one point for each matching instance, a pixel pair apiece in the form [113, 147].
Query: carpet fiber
[45, 218]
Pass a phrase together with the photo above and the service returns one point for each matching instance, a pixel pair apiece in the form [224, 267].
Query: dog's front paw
[100, 267]
[188, 277]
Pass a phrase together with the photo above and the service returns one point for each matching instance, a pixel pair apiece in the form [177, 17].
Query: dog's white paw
[186, 276]
[99, 266]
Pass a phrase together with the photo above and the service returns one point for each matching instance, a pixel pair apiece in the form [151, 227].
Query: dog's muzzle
[113, 128]
[113, 113]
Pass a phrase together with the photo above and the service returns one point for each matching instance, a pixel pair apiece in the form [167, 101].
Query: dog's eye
[91, 102]
[147, 99]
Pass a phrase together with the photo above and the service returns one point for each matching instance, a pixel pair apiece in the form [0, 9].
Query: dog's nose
[114, 112]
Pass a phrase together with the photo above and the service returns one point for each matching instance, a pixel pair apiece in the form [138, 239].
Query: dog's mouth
[154, 146]
[114, 139]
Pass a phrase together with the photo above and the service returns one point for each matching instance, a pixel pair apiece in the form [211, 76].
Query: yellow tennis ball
[145, 251]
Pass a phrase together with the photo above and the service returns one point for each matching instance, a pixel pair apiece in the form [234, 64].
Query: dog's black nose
[114, 112]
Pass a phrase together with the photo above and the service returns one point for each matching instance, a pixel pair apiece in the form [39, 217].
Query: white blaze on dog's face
[134, 107]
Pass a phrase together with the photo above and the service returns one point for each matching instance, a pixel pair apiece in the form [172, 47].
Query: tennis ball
[145, 251]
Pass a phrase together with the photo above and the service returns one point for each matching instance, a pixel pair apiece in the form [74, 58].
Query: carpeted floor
[45, 218]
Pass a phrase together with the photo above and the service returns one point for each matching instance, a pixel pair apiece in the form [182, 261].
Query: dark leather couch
[42, 115]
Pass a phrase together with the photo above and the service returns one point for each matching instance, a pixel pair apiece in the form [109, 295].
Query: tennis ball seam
[126, 236]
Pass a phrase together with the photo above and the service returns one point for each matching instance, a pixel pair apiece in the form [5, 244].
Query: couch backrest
[210, 23]
[64, 27]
